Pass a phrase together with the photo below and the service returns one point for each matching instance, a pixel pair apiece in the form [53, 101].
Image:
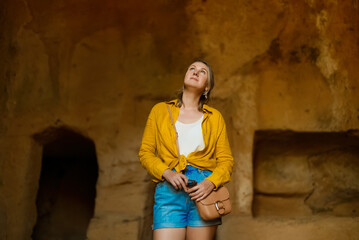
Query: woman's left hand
[201, 190]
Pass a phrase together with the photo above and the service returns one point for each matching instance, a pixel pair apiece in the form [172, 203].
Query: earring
[205, 94]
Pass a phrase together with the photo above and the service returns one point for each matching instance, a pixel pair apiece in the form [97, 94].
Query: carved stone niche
[299, 174]
[66, 195]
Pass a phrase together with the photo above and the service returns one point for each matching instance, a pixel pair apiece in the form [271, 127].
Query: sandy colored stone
[291, 206]
[297, 229]
[336, 181]
[113, 226]
[97, 68]
[283, 174]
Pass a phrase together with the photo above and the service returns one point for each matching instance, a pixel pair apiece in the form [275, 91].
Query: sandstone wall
[97, 68]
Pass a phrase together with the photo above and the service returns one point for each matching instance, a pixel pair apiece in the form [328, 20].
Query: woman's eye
[192, 68]
[203, 72]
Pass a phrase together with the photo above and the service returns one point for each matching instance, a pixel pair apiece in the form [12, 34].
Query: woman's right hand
[178, 180]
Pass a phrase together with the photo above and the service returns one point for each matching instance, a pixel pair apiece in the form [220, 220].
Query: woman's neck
[190, 100]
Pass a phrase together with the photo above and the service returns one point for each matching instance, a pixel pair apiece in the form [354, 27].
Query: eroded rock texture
[306, 174]
[95, 68]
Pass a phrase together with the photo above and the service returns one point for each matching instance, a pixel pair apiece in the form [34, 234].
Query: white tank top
[190, 137]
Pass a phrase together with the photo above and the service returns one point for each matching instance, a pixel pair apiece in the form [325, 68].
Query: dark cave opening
[67, 187]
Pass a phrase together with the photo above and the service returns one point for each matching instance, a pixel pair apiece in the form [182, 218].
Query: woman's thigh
[169, 233]
[170, 208]
[201, 233]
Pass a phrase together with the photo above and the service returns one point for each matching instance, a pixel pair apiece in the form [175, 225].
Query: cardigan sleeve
[224, 159]
[147, 154]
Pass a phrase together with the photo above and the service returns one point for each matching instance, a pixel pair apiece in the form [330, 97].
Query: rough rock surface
[97, 68]
[306, 174]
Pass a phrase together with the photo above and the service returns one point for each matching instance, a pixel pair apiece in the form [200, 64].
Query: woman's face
[197, 77]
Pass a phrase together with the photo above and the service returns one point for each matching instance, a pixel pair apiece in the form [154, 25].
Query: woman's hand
[178, 180]
[201, 190]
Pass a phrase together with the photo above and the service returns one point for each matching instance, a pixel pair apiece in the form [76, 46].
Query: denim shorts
[174, 208]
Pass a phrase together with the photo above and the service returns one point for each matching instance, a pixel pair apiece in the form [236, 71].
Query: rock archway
[66, 196]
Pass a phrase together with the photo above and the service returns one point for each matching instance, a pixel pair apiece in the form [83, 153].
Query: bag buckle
[220, 207]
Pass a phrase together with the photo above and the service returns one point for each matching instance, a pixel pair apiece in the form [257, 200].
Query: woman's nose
[195, 72]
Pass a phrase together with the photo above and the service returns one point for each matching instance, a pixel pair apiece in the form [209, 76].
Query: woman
[205, 157]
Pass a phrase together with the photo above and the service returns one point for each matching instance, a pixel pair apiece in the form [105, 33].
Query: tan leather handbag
[217, 203]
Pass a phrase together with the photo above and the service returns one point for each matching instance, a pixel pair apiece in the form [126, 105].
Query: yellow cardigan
[158, 150]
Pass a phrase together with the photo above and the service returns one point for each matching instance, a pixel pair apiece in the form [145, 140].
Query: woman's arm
[153, 164]
[222, 173]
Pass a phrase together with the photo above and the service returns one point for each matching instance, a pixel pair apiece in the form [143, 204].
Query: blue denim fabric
[174, 208]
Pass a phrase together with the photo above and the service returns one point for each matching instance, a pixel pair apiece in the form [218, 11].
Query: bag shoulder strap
[174, 126]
